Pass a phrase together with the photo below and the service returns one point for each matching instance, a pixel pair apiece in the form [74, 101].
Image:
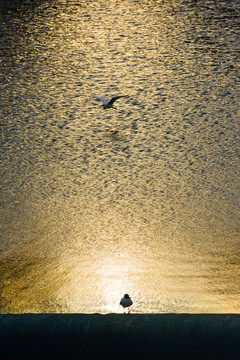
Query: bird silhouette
[108, 104]
[126, 301]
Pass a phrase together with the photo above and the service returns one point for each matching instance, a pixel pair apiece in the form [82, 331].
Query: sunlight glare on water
[142, 199]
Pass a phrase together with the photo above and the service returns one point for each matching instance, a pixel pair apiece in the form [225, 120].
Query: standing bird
[108, 104]
[126, 301]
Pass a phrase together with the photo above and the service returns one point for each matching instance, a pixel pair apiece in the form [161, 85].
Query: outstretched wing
[115, 98]
[105, 102]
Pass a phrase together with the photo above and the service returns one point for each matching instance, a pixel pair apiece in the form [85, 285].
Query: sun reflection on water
[112, 292]
[153, 211]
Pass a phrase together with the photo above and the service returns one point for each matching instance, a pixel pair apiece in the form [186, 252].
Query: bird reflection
[126, 302]
[109, 104]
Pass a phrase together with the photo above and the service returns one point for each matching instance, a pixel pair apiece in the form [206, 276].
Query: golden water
[140, 199]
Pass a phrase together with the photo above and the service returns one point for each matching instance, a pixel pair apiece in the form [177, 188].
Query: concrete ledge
[73, 336]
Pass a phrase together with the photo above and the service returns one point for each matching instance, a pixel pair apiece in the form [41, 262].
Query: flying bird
[126, 301]
[109, 104]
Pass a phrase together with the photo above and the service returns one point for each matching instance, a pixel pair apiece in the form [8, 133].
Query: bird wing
[115, 98]
[101, 99]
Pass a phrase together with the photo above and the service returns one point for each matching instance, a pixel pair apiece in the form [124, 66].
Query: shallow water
[141, 199]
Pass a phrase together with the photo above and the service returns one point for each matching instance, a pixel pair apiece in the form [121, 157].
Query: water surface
[141, 199]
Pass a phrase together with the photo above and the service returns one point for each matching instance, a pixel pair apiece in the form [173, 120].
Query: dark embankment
[150, 336]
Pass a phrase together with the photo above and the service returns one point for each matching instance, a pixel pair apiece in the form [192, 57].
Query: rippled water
[141, 199]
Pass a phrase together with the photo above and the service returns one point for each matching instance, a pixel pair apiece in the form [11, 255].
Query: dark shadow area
[70, 336]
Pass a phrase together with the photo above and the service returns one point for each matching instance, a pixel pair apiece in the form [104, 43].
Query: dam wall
[135, 336]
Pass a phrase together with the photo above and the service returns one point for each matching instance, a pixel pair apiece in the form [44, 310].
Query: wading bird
[109, 104]
[126, 301]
